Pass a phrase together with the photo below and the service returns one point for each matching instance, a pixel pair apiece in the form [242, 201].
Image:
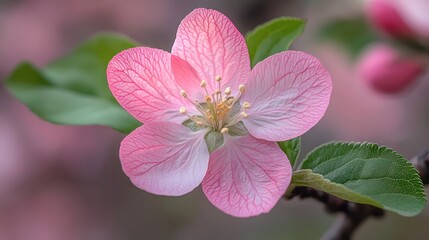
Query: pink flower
[415, 15]
[209, 119]
[400, 18]
[384, 69]
[386, 17]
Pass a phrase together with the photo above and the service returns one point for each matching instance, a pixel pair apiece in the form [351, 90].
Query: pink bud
[415, 14]
[386, 17]
[386, 70]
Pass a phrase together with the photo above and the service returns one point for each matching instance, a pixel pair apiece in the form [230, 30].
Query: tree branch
[353, 214]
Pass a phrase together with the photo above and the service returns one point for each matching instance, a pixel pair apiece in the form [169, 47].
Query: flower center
[219, 110]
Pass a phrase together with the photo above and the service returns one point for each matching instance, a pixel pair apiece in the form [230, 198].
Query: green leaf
[352, 34]
[364, 173]
[73, 90]
[291, 148]
[272, 37]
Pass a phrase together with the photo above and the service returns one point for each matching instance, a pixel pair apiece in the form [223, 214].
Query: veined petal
[288, 93]
[142, 82]
[209, 42]
[165, 158]
[247, 176]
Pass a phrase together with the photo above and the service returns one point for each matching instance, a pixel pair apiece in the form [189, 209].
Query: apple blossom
[208, 118]
[384, 69]
[387, 18]
[400, 18]
[415, 13]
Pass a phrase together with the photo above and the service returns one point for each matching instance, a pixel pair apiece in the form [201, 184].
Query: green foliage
[272, 37]
[73, 90]
[352, 34]
[364, 173]
[291, 148]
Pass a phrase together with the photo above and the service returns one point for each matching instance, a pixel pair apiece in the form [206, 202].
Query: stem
[353, 214]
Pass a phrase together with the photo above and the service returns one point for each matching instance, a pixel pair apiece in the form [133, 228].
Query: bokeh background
[64, 182]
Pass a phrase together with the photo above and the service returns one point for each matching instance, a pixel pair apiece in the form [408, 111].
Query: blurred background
[64, 182]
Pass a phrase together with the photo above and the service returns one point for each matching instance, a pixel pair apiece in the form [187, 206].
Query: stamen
[224, 130]
[227, 91]
[218, 78]
[246, 105]
[216, 110]
[182, 110]
[218, 95]
[241, 88]
[204, 85]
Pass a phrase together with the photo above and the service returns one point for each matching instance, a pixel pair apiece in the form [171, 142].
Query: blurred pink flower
[415, 14]
[400, 18]
[386, 70]
[218, 131]
[386, 17]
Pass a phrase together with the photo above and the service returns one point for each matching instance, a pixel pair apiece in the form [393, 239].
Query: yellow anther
[227, 91]
[183, 93]
[208, 98]
[241, 88]
[224, 130]
[218, 78]
[246, 105]
[244, 114]
[203, 84]
[217, 91]
[182, 110]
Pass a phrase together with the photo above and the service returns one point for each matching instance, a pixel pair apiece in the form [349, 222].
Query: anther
[227, 91]
[208, 98]
[203, 84]
[244, 114]
[224, 130]
[183, 93]
[246, 105]
[182, 110]
[218, 78]
[241, 88]
[217, 91]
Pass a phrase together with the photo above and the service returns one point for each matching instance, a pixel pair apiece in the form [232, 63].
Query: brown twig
[353, 214]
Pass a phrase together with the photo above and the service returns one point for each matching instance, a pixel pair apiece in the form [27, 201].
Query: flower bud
[386, 70]
[415, 14]
[386, 17]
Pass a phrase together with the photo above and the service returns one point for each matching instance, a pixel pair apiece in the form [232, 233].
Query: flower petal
[247, 176]
[415, 14]
[209, 42]
[141, 80]
[165, 158]
[288, 93]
